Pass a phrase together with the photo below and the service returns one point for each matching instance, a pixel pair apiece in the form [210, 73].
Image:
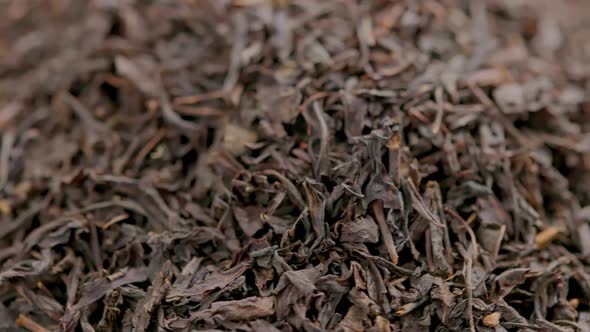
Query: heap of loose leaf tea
[294, 165]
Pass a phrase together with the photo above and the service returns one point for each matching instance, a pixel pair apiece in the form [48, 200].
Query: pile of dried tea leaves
[294, 165]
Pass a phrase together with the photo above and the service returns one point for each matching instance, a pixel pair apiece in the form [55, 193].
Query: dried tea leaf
[509, 279]
[363, 229]
[245, 309]
[236, 138]
[294, 165]
[511, 98]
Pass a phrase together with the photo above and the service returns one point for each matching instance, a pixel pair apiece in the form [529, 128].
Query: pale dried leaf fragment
[546, 236]
[236, 137]
[8, 113]
[382, 324]
[492, 320]
[29, 324]
[136, 70]
[5, 207]
[511, 98]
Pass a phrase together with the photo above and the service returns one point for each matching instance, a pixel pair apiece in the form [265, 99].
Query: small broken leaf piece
[236, 137]
[492, 320]
[546, 236]
[362, 229]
